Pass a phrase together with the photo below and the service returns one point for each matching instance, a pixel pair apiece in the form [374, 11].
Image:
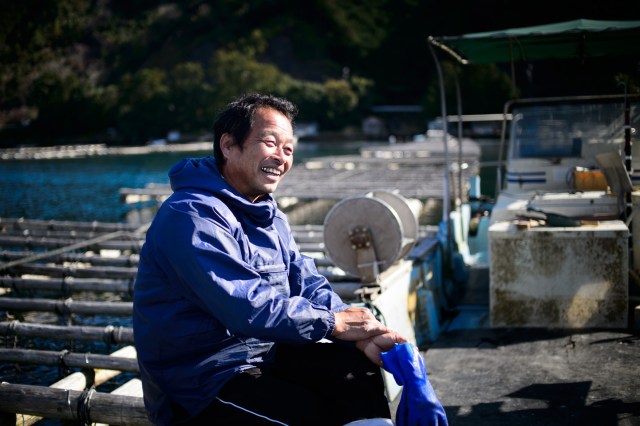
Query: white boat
[560, 243]
[559, 235]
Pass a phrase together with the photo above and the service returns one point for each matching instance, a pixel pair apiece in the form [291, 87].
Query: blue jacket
[220, 280]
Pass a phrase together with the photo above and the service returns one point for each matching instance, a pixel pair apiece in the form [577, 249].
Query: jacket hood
[203, 175]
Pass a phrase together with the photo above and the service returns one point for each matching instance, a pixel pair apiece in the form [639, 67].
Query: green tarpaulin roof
[582, 38]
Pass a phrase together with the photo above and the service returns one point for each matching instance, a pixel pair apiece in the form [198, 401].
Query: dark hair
[238, 116]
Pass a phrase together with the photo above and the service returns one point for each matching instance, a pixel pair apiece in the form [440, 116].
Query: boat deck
[531, 376]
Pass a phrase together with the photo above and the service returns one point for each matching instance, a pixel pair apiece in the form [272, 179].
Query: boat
[555, 322]
[568, 188]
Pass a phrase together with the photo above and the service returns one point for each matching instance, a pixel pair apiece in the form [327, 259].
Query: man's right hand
[370, 335]
[355, 324]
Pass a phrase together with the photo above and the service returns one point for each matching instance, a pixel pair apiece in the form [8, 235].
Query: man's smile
[271, 171]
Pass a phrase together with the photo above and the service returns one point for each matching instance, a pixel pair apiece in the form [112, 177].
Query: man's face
[266, 156]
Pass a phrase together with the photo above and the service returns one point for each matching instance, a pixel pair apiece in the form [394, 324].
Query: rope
[83, 409]
[64, 287]
[69, 402]
[63, 368]
[11, 332]
[107, 337]
[63, 307]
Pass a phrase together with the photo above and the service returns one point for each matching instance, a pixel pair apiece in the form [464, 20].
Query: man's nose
[281, 155]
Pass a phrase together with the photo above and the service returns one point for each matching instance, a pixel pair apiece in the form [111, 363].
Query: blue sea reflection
[87, 189]
[77, 189]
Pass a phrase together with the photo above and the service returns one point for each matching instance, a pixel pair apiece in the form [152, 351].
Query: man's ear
[226, 141]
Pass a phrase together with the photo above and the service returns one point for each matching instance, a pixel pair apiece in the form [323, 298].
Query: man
[227, 312]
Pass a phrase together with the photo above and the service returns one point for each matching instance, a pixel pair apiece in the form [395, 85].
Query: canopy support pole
[445, 136]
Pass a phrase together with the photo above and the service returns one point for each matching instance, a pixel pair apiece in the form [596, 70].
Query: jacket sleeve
[207, 263]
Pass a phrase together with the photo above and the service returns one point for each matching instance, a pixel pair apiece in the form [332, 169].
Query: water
[88, 189]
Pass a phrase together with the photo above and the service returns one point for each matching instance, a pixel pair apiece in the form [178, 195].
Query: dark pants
[314, 384]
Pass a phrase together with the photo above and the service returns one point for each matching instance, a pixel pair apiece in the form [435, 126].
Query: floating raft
[66, 287]
[99, 149]
[415, 170]
[66, 341]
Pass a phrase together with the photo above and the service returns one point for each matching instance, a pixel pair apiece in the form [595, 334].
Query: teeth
[271, 171]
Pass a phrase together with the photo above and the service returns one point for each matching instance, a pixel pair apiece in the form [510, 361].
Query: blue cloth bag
[419, 405]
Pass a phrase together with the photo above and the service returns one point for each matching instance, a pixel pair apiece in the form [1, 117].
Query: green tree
[190, 98]
[145, 110]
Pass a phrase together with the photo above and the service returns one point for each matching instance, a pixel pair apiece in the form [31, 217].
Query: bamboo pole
[63, 245]
[108, 334]
[80, 272]
[121, 360]
[79, 381]
[66, 307]
[49, 233]
[131, 388]
[68, 285]
[95, 226]
[66, 404]
[92, 259]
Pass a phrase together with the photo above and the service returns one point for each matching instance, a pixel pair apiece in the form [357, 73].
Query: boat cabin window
[568, 131]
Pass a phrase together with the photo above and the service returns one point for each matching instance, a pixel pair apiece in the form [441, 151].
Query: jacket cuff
[331, 322]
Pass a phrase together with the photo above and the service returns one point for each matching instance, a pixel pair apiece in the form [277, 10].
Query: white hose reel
[366, 234]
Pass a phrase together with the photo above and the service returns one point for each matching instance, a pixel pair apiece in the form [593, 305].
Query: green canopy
[582, 38]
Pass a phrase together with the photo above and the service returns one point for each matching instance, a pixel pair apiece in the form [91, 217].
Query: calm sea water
[88, 189]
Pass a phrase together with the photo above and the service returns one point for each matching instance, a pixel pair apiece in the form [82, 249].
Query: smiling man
[228, 313]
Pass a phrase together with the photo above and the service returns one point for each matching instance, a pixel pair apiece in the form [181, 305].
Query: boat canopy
[581, 38]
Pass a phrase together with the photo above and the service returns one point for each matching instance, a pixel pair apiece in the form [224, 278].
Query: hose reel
[366, 234]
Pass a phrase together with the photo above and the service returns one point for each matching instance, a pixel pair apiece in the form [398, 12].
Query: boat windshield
[569, 130]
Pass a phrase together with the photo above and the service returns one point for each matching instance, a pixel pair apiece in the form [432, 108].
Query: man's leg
[342, 374]
[326, 384]
[257, 397]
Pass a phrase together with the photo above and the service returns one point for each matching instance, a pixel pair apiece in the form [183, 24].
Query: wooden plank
[132, 388]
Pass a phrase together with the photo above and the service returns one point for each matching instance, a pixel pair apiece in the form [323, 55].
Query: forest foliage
[126, 72]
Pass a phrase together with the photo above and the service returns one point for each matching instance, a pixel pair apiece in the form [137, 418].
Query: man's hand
[374, 346]
[355, 324]
[370, 335]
